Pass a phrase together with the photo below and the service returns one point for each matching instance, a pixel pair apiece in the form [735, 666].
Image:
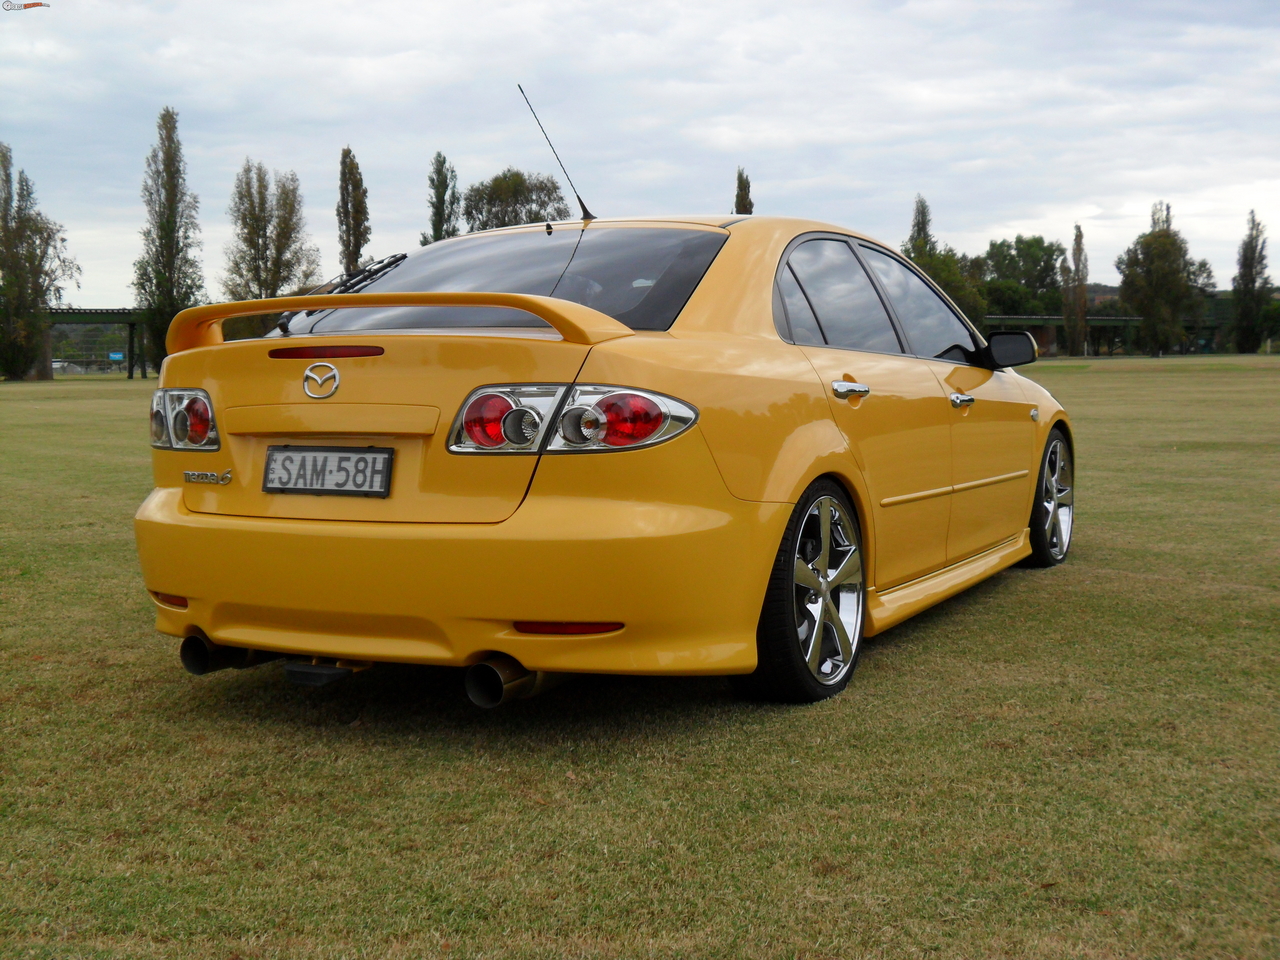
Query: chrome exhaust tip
[493, 682]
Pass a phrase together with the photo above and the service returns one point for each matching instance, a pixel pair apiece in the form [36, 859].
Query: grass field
[1078, 762]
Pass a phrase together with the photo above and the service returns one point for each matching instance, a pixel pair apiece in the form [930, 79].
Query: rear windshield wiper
[361, 278]
[346, 283]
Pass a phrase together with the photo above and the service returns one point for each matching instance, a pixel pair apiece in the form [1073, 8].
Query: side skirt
[884, 610]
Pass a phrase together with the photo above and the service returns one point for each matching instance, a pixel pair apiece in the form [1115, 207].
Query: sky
[1008, 117]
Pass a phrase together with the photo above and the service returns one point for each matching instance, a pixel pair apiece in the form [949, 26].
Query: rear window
[640, 276]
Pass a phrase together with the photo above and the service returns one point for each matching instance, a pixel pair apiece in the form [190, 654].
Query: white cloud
[1008, 117]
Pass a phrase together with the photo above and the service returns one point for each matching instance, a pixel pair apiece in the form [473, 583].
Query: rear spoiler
[202, 326]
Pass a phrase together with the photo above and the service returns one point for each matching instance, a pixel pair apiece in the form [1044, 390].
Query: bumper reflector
[564, 627]
[170, 599]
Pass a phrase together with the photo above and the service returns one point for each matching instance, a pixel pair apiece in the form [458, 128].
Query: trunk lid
[405, 399]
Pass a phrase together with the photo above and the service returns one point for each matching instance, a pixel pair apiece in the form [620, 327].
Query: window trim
[784, 263]
[980, 342]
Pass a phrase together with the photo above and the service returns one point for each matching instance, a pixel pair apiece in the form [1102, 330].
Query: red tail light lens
[182, 419]
[629, 418]
[483, 419]
[191, 422]
[537, 418]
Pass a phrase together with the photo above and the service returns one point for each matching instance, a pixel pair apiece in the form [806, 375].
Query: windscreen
[640, 276]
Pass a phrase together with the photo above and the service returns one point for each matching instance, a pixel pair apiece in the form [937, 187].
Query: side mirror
[1011, 348]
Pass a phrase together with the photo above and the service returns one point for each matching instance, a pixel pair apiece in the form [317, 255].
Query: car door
[992, 432]
[896, 421]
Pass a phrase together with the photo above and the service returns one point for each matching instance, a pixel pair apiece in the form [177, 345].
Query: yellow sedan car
[684, 446]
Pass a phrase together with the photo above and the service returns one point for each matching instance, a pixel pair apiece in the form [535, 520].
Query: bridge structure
[99, 352]
[1104, 332]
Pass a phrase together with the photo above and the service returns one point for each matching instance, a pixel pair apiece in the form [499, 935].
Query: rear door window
[804, 325]
[932, 328]
[848, 307]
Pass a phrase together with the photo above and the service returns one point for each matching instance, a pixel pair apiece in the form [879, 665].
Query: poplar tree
[167, 278]
[353, 212]
[742, 203]
[34, 264]
[1075, 304]
[445, 203]
[959, 276]
[1251, 288]
[270, 252]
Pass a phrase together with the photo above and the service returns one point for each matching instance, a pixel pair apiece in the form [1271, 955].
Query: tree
[34, 264]
[1162, 282]
[1075, 301]
[167, 277]
[742, 203]
[1251, 288]
[270, 251]
[353, 212]
[959, 276]
[444, 200]
[513, 197]
[921, 244]
[1031, 262]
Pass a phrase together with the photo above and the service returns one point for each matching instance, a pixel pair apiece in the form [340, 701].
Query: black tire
[789, 617]
[1053, 514]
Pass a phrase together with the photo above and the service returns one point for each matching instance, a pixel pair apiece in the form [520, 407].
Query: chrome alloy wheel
[1057, 497]
[828, 591]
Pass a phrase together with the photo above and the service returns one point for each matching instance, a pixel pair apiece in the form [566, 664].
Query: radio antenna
[586, 214]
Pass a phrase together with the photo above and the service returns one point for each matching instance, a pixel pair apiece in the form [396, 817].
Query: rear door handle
[961, 400]
[844, 389]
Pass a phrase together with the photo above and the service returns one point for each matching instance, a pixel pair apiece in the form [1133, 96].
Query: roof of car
[730, 221]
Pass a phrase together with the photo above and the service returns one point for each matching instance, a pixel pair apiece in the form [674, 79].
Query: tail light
[183, 420]
[566, 418]
[599, 418]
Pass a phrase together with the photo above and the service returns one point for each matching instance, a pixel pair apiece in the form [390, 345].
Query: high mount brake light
[323, 353]
[183, 420]
[566, 418]
[564, 628]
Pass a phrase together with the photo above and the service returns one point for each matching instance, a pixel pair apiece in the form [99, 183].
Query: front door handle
[844, 389]
[961, 400]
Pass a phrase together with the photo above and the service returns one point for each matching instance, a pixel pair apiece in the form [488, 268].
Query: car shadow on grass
[406, 701]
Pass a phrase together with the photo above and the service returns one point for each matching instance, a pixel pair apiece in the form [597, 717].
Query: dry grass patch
[1073, 763]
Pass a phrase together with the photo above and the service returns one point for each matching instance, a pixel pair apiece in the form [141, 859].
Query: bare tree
[1251, 288]
[167, 277]
[445, 203]
[1075, 303]
[353, 212]
[742, 203]
[34, 264]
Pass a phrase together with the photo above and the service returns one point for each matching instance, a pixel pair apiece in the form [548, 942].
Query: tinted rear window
[640, 276]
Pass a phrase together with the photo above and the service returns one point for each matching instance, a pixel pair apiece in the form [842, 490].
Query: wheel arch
[1060, 422]
[854, 486]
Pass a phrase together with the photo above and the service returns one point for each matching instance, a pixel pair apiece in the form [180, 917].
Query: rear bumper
[669, 553]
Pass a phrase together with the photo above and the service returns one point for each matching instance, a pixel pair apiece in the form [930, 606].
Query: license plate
[334, 471]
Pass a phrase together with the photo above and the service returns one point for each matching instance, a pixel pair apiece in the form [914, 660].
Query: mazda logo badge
[317, 376]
